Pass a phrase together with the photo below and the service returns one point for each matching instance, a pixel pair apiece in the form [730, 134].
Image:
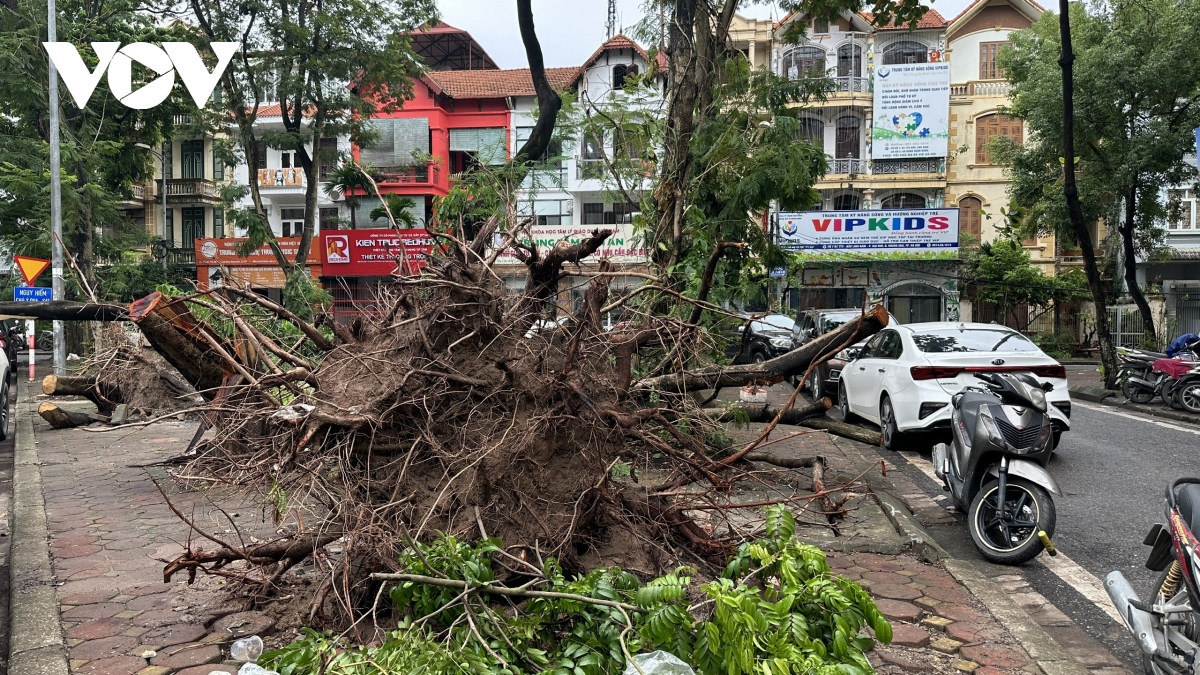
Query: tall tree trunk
[1130, 264]
[682, 89]
[1108, 354]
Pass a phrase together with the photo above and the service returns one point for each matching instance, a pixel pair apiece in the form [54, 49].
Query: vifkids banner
[925, 234]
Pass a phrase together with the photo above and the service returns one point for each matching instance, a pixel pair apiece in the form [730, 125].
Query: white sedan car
[904, 377]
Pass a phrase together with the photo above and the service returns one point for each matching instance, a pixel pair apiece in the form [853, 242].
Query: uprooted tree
[451, 408]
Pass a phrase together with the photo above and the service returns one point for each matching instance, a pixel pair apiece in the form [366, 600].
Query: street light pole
[56, 251]
[162, 162]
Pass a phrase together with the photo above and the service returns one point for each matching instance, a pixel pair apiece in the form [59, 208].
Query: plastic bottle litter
[653, 663]
[246, 649]
[254, 669]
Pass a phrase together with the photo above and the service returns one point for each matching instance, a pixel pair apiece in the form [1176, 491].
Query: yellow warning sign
[31, 268]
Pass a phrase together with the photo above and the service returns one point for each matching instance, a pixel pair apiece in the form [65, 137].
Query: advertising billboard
[620, 247]
[374, 253]
[912, 111]
[916, 234]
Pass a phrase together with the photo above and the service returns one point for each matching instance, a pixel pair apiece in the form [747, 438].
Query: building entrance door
[915, 303]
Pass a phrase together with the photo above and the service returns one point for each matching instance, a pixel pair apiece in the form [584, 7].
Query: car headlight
[844, 355]
[993, 432]
[781, 342]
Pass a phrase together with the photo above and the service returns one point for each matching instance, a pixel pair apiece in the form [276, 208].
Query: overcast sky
[570, 30]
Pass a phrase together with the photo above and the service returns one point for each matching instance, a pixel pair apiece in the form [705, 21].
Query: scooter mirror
[1047, 387]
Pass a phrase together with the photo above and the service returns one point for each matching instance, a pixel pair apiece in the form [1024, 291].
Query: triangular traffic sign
[31, 268]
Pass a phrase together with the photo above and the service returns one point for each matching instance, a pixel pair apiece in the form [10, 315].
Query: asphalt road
[1113, 469]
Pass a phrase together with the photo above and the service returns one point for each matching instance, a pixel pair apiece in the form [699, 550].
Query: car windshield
[972, 340]
[831, 321]
[773, 323]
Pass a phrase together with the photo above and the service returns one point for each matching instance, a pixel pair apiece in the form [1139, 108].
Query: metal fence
[1187, 312]
[1125, 324]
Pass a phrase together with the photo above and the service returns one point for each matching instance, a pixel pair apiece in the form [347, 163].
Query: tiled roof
[274, 110]
[1185, 253]
[931, 19]
[497, 83]
[618, 41]
[971, 7]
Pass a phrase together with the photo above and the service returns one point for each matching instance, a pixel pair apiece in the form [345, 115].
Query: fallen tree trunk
[105, 397]
[767, 412]
[794, 362]
[854, 433]
[65, 310]
[66, 419]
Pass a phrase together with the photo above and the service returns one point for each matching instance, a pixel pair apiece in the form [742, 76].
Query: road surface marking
[1140, 418]
[1084, 582]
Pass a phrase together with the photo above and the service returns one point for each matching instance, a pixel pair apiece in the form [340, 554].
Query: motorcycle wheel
[1013, 539]
[1187, 395]
[1136, 393]
[1168, 394]
[1189, 629]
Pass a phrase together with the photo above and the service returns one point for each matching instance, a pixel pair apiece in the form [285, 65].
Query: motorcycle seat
[1141, 355]
[1188, 501]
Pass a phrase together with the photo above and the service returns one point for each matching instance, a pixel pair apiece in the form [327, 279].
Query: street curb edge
[36, 644]
[1049, 656]
[919, 541]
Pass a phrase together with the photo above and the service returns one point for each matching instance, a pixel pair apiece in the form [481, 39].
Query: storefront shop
[219, 260]
[356, 264]
[903, 259]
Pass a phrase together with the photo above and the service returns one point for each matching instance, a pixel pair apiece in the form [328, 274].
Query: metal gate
[1125, 322]
[1187, 314]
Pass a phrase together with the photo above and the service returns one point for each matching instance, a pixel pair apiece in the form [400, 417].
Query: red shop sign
[374, 253]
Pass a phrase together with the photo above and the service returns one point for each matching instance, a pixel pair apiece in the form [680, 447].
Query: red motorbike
[1165, 625]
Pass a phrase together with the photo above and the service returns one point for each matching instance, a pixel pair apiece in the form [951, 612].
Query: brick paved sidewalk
[110, 531]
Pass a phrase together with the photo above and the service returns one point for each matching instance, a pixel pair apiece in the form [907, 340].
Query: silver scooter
[995, 467]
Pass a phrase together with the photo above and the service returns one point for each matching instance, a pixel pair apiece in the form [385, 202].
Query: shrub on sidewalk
[776, 609]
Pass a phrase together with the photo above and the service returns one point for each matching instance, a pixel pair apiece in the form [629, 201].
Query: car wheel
[758, 357]
[893, 438]
[814, 385]
[844, 403]
[4, 411]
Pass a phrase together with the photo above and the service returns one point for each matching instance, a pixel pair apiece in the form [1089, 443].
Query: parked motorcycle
[1167, 626]
[1142, 376]
[994, 467]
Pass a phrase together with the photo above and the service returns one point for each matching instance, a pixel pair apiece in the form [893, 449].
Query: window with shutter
[328, 158]
[191, 163]
[218, 222]
[383, 151]
[988, 127]
[260, 149]
[988, 70]
[487, 144]
[849, 60]
[813, 131]
[802, 61]
[218, 164]
[970, 221]
[167, 159]
[848, 138]
[328, 218]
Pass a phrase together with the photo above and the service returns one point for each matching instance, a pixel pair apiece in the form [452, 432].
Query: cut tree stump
[105, 397]
[66, 419]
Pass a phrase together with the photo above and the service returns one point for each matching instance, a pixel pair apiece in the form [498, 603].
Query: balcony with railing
[982, 89]
[281, 178]
[419, 174]
[894, 167]
[849, 84]
[847, 166]
[191, 190]
[182, 257]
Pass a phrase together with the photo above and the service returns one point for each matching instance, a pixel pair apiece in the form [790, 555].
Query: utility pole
[56, 243]
[612, 18]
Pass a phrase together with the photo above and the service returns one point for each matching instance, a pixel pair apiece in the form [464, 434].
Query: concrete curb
[919, 542]
[36, 645]
[1113, 399]
[1049, 656]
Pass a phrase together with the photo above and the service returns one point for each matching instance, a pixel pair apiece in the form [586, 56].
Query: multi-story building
[1177, 276]
[850, 50]
[979, 98]
[194, 175]
[282, 182]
